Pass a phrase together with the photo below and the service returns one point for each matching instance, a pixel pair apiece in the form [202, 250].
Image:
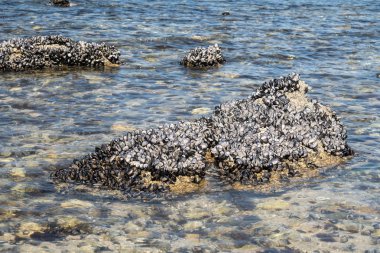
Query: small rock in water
[201, 57]
[76, 203]
[18, 172]
[274, 205]
[201, 110]
[193, 225]
[28, 228]
[60, 3]
[54, 51]
[226, 13]
[343, 239]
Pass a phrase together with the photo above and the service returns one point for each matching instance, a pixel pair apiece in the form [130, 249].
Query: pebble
[7, 160]
[18, 172]
[274, 205]
[23, 188]
[68, 222]
[8, 237]
[132, 227]
[197, 214]
[28, 228]
[349, 227]
[193, 225]
[201, 110]
[76, 203]
[343, 239]
[192, 237]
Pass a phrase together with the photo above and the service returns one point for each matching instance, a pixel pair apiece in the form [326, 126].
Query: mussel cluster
[201, 57]
[245, 141]
[60, 3]
[49, 51]
[161, 154]
[276, 126]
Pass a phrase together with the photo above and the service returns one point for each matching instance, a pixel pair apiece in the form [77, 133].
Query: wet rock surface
[201, 57]
[275, 134]
[41, 52]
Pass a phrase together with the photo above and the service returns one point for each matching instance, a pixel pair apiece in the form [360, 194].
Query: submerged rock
[54, 51]
[202, 57]
[276, 133]
[60, 3]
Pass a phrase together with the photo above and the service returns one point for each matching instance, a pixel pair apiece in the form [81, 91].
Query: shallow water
[48, 118]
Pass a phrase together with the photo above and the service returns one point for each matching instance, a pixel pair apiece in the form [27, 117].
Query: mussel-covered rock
[54, 51]
[275, 129]
[202, 57]
[276, 132]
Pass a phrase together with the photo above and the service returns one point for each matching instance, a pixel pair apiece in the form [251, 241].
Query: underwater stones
[201, 57]
[54, 51]
[60, 3]
[273, 135]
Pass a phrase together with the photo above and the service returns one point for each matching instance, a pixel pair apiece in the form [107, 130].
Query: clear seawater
[48, 118]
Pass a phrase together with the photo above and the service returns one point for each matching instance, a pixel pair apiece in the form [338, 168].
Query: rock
[23, 188]
[201, 110]
[76, 203]
[61, 3]
[201, 57]
[7, 160]
[192, 225]
[68, 222]
[349, 226]
[41, 52]
[197, 214]
[277, 133]
[192, 237]
[274, 205]
[8, 237]
[343, 239]
[18, 172]
[132, 227]
[29, 228]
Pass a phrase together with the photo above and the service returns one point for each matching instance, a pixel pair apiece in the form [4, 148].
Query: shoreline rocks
[201, 57]
[41, 52]
[273, 135]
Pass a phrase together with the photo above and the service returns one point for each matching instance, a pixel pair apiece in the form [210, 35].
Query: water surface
[48, 118]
